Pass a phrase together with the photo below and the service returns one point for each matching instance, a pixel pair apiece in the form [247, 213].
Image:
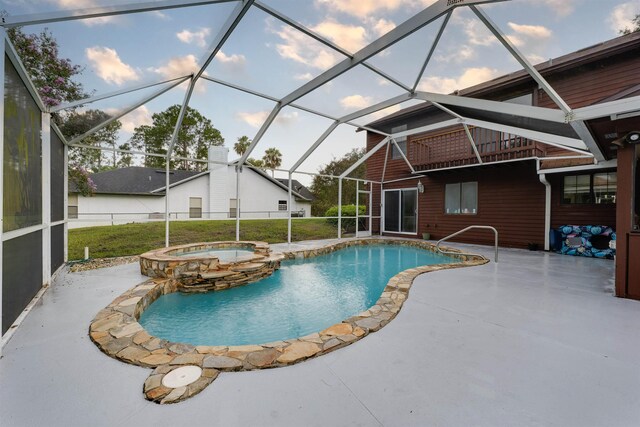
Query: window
[72, 206]
[598, 188]
[402, 143]
[604, 187]
[233, 210]
[282, 205]
[461, 198]
[401, 211]
[195, 207]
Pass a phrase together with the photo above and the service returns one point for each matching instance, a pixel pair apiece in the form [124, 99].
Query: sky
[266, 55]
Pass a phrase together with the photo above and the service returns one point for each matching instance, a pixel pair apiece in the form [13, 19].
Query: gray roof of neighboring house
[136, 180]
[297, 187]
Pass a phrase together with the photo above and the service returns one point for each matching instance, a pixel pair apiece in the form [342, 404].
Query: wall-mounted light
[633, 137]
[420, 187]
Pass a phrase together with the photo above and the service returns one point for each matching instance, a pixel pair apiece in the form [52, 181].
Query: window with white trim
[195, 207]
[282, 205]
[72, 206]
[461, 198]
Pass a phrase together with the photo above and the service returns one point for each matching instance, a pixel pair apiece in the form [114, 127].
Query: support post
[289, 209]
[381, 208]
[357, 205]
[340, 208]
[45, 140]
[238, 171]
[547, 209]
[3, 36]
[66, 203]
[166, 202]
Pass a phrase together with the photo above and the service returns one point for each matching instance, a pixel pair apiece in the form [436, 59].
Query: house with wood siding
[442, 180]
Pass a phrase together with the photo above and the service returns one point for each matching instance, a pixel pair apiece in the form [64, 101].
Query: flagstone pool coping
[116, 332]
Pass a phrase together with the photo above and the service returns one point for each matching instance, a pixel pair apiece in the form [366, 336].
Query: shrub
[348, 224]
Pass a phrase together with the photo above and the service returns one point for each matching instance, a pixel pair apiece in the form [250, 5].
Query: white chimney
[218, 154]
[218, 197]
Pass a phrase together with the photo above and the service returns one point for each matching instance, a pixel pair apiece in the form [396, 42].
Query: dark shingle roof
[134, 180]
[297, 187]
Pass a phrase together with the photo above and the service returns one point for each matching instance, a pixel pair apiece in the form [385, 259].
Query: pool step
[216, 274]
[247, 267]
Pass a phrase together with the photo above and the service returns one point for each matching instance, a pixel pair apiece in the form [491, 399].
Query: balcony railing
[453, 148]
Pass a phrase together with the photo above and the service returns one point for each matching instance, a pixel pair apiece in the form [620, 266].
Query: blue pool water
[221, 254]
[303, 297]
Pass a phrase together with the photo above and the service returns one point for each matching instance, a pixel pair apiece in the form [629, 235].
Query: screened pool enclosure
[34, 152]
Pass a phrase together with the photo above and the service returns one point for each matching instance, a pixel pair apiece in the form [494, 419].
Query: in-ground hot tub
[202, 267]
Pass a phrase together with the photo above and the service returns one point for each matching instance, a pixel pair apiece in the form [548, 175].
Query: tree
[272, 159]
[51, 75]
[325, 189]
[636, 23]
[259, 163]
[126, 159]
[196, 135]
[53, 78]
[242, 145]
[76, 124]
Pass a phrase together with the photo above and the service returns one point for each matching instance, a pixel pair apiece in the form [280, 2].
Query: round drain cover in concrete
[181, 377]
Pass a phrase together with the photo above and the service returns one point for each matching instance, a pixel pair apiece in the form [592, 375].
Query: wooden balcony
[453, 148]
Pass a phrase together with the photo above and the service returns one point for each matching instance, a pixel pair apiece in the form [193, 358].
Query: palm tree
[242, 145]
[272, 159]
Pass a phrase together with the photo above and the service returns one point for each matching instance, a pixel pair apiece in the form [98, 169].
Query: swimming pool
[343, 291]
[224, 255]
[303, 297]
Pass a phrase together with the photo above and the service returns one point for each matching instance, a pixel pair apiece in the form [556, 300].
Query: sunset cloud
[470, 77]
[109, 67]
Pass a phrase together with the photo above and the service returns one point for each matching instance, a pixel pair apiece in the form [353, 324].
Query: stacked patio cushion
[584, 240]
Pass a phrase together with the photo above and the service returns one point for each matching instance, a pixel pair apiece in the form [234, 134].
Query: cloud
[362, 8]
[477, 33]
[199, 38]
[621, 15]
[257, 118]
[560, 7]
[234, 62]
[382, 26]
[178, 66]
[138, 117]
[349, 37]
[356, 101]
[303, 76]
[531, 31]
[160, 15]
[459, 54]
[299, 48]
[109, 67]
[84, 4]
[470, 77]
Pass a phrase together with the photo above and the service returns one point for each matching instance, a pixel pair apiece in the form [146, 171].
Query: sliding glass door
[401, 211]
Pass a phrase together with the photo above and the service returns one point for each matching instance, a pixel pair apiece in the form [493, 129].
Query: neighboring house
[137, 194]
[524, 187]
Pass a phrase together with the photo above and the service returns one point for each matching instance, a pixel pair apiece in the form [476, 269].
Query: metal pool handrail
[487, 227]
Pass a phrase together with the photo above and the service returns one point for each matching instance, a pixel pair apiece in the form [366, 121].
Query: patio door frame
[384, 206]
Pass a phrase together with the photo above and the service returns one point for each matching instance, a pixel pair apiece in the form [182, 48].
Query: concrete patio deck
[536, 339]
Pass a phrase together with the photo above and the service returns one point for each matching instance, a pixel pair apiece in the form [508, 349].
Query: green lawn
[134, 239]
